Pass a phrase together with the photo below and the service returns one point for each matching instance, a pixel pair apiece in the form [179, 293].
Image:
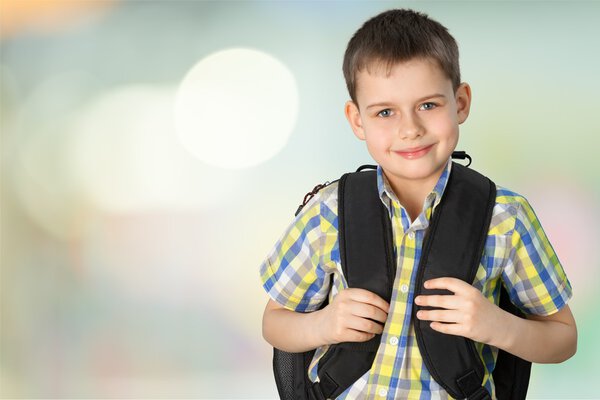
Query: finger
[357, 336]
[447, 316]
[364, 325]
[449, 302]
[365, 296]
[448, 329]
[454, 285]
[368, 311]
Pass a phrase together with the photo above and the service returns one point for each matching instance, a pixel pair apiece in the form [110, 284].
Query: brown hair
[396, 36]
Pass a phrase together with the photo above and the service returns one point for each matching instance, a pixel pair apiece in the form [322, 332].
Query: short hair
[396, 36]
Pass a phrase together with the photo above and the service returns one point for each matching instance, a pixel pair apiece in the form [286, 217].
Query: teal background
[164, 300]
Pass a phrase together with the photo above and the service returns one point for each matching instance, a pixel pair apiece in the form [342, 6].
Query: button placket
[404, 288]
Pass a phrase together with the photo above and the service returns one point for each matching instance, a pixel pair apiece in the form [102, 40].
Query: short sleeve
[293, 274]
[533, 275]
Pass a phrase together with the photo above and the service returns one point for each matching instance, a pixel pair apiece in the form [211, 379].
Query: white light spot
[236, 108]
[126, 156]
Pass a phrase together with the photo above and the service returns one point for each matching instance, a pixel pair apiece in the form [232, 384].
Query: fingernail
[426, 284]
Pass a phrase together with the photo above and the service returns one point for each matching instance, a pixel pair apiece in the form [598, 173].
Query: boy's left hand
[465, 313]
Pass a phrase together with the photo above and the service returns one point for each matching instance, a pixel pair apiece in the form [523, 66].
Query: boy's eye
[427, 106]
[385, 113]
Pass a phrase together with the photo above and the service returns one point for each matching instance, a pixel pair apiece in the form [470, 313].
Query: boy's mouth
[415, 152]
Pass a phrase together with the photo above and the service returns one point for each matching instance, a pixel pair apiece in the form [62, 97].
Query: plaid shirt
[517, 253]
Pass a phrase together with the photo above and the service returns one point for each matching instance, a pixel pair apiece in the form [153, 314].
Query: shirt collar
[386, 194]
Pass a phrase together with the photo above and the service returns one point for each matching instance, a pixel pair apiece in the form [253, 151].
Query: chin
[417, 171]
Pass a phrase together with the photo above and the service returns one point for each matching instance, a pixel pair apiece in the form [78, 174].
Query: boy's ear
[463, 102]
[353, 116]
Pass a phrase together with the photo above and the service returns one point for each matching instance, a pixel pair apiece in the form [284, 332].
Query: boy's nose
[410, 128]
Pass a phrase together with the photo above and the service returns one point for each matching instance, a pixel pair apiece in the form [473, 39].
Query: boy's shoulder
[509, 198]
[324, 200]
[510, 209]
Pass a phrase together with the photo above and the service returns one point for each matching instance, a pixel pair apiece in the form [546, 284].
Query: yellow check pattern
[517, 254]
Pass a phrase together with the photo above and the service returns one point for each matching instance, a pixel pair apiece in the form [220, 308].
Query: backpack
[453, 244]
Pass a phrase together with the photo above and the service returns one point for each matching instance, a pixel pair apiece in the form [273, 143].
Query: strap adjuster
[480, 394]
[470, 384]
[315, 392]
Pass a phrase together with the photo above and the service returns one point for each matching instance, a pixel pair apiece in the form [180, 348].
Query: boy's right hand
[354, 315]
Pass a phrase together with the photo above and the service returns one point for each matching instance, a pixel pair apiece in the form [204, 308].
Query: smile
[417, 152]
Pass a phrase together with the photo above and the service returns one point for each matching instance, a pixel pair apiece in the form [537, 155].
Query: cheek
[378, 138]
[445, 127]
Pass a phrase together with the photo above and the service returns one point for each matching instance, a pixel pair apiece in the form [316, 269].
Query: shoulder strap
[366, 252]
[366, 243]
[453, 246]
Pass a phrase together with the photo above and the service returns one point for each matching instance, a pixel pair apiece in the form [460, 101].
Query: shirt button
[393, 340]
[383, 392]
[411, 235]
[404, 288]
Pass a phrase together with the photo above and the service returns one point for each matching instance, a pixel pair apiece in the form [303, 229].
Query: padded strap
[366, 244]
[366, 252]
[453, 246]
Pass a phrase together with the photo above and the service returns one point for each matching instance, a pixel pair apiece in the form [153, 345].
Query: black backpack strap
[367, 258]
[365, 235]
[453, 246]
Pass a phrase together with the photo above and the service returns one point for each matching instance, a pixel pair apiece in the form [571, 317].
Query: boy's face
[409, 119]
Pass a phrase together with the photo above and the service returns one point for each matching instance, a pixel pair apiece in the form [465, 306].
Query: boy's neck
[412, 193]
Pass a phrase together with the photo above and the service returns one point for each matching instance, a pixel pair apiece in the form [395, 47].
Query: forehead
[402, 79]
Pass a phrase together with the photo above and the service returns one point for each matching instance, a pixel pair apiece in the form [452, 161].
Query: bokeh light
[125, 155]
[47, 15]
[121, 152]
[236, 108]
[42, 176]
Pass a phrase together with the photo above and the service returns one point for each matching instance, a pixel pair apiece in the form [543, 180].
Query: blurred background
[154, 151]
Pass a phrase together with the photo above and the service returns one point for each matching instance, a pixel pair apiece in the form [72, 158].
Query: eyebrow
[387, 104]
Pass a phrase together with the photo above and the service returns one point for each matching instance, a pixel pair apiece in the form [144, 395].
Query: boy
[407, 101]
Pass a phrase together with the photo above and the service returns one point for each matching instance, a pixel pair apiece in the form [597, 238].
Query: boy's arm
[352, 316]
[540, 339]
